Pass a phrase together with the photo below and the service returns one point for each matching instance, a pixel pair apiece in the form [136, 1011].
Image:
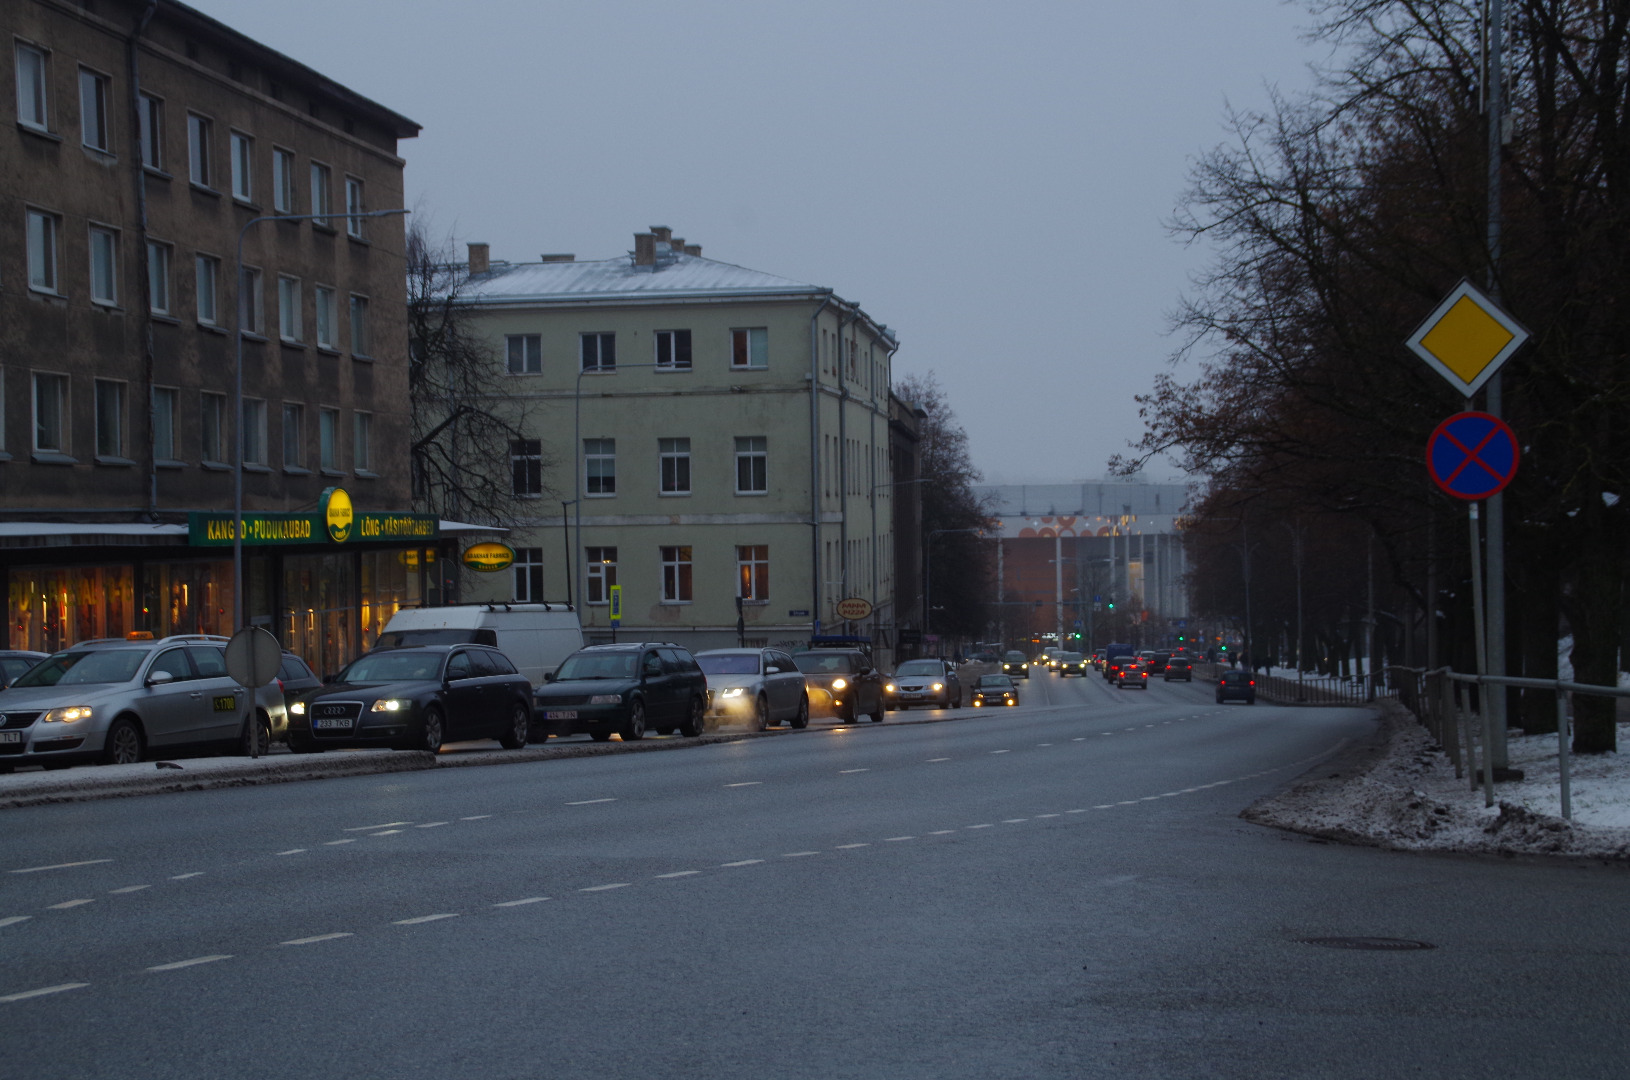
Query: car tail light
[1251, 683]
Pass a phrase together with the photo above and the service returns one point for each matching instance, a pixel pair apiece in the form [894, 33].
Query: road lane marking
[934, 759]
[387, 832]
[799, 854]
[1149, 798]
[603, 888]
[841, 847]
[190, 874]
[1079, 738]
[980, 826]
[742, 862]
[347, 840]
[425, 919]
[66, 904]
[589, 802]
[1103, 806]
[522, 903]
[842, 771]
[194, 962]
[1001, 751]
[371, 828]
[314, 940]
[679, 873]
[1075, 811]
[897, 839]
[41, 992]
[473, 817]
[1013, 820]
[1040, 816]
[1044, 744]
[746, 783]
[59, 866]
[13, 920]
[942, 832]
[431, 825]
[292, 851]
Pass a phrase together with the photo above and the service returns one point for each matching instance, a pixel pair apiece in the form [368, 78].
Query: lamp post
[566, 547]
[577, 465]
[239, 607]
[928, 571]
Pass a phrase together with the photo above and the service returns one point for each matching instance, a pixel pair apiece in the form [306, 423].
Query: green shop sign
[335, 521]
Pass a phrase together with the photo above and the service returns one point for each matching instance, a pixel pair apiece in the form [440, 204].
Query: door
[168, 709]
[493, 673]
[659, 681]
[465, 696]
[221, 701]
[786, 685]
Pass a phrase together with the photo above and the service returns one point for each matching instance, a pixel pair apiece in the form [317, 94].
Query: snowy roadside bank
[1399, 791]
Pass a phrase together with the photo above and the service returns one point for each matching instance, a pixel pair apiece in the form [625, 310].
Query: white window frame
[748, 337]
[600, 339]
[322, 178]
[295, 438]
[289, 325]
[200, 137]
[527, 359]
[669, 342]
[528, 575]
[324, 313]
[164, 421]
[678, 573]
[674, 452]
[355, 201]
[241, 151]
[115, 391]
[601, 456]
[753, 573]
[254, 432]
[601, 564]
[212, 407]
[528, 454]
[746, 455]
[44, 251]
[150, 110]
[362, 443]
[328, 438]
[95, 133]
[103, 243]
[207, 288]
[282, 180]
[360, 330]
[35, 90]
[158, 277]
[63, 387]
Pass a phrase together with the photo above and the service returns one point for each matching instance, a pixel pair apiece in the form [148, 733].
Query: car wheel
[520, 728]
[600, 736]
[846, 712]
[801, 721]
[123, 745]
[761, 714]
[633, 729]
[877, 711]
[696, 721]
[261, 725]
[434, 729]
[1219, 699]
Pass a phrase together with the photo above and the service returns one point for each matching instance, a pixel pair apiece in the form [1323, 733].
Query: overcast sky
[992, 180]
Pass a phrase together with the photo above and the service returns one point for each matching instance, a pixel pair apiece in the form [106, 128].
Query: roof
[674, 277]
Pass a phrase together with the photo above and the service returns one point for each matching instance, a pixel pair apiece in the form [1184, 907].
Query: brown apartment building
[146, 136]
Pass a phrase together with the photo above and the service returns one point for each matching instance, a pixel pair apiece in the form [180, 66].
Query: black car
[995, 690]
[623, 689]
[415, 698]
[1179, 667]
[1112, 667]
[1015, 666]
[1236, 685]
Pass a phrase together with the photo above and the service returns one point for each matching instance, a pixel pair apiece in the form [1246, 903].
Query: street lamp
[577, 465]
[238, 605]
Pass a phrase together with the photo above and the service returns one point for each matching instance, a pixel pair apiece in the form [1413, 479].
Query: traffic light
[1223, 648]
[1112, 605]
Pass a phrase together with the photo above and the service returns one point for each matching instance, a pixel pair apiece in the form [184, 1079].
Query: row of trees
[1340, 218]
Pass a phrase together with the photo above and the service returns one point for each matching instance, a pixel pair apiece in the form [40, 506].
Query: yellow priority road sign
[1467, 338]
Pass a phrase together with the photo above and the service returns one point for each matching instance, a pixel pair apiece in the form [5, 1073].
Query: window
[282, 181]
[254, 431]
[750, 348]
[600, 466]
[602, 573]
[212, 429]
[288, 308]
[294, 436]
[42, 251]
[362, 431]
[51, 412]
[110, 418]
[525, 353]
[323, 297]
[243, 162]
[251, 301]
[673, 350]
[676, 575]
[31, 103]
[206, 269]
[198, 139]
[150, 111]
[599, 352]
[526, 467]
[158, 277]
[752, 465]
[104, 266]
[164, 400]
[674, 455]
[359, 326]
[319, 194]
[753, 572]
[328, 437]
[93, 110]
[353, 205]
[528, 567]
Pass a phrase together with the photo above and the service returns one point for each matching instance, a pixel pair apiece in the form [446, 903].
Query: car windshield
[391, 639]
[1014, 658]
[1177, 661]
[918, 667]
[393, 667]
[822, 663]
[83, 668]
[1070, 657]
[578, 666]
[999, 682]
[730, 664]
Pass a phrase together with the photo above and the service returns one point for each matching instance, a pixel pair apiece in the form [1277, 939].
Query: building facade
[724, 433]
[147, 139]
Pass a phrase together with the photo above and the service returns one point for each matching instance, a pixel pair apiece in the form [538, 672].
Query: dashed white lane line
[431, 825]
[347, 840]
[292, 851]
[589, 802]
[13, 920]
[742, 862]
[59, 866]
[843, 771]
[1101, 806]
[603, 888]
[942, 832]
[523, 902]
[1013, 820]
[979, 826]
[1040, 816]
[314, 939]
[932, 760]
[746, 783]
[184, 877]
[194, 962]
[1044, 744]
[1082, 811]
[387, 832]
[41, 992]
[1127, 802]
[476, 817]
[1079, 738]
[1001, 751]
[841, 847]
[799, 854]
[896, 839]
[426, 918]
[678, 873]
[371, 828]
[66, 904]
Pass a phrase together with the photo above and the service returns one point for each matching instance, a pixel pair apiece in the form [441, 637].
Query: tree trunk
[1594, 614]
[1537, 616]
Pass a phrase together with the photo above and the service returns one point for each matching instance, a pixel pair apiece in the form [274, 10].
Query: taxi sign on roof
[1467, 338]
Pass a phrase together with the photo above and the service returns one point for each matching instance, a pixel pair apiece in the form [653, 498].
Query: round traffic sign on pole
[1472, 455]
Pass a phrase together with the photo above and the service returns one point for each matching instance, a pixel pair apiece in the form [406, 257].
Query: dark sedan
[415, 698]
[1236, 686]
[622, 689]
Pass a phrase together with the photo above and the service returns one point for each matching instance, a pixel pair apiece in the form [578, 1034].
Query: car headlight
[889, 688]
[298, 708]
[732, 691]
[939, 686]
[610, 699]
[67, 714]
[391, 705]
[838, 684]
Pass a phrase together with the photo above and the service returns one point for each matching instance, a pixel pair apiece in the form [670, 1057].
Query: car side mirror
[331, 678]
[159, 678]
[548, 676]
[864, 670]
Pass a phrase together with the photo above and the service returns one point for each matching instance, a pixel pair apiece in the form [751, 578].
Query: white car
[763, 686]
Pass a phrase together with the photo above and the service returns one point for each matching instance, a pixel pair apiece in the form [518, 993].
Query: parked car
[15, 663]
[1236, 685]
[763, 685]
[926, 682]
[295, 679]
[1132, 673]
[1071, 663]
[843, 682]
[624, 689]
[116, 701]
[1179, 667]
[535, 637]
[1015, 666]
[995, 690]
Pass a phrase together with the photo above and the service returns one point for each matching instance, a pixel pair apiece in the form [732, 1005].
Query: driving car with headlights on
[842, 682]
[926, 682]
[624, 689]
[1071, 663]
[1015, 666]
[762, 686]
[995, 690]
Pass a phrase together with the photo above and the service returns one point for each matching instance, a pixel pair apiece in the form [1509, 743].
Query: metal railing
[1317, 690]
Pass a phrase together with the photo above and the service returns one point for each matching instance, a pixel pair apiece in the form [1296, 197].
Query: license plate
[561, 714]
[911, 696]
[332, 722]
[11, 736]
[226, 703]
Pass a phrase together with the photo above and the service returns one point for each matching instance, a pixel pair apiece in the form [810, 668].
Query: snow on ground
[1401, 792]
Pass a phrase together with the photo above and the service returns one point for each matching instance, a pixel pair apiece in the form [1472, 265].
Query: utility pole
[1058, 584]
[1496, 696]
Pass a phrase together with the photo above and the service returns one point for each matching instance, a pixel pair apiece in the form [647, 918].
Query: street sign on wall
[1472, 455]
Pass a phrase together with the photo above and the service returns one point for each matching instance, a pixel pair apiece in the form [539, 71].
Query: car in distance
[842, 682]
[762, 685]
[1015, 666]
[1179, 667]
[1071, 663]
[1132, 673]
[1236, 686]
[926, 682]
[1112, 667]
[995, 690]
[416, 698]
[624, 689]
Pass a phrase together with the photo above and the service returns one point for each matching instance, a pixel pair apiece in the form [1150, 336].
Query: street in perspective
[1134, 642]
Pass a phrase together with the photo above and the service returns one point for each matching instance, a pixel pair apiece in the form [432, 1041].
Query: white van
[535, 637]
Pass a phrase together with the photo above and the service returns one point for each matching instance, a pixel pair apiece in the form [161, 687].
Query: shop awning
[464, 528]
[62, 534]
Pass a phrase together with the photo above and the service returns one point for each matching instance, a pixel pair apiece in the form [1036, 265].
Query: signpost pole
[1481, 645]
[1498, 696]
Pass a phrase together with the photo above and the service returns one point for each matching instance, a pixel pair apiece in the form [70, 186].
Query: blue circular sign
[1472, 455]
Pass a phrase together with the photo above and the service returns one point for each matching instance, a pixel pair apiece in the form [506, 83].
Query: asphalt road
[1062, 889]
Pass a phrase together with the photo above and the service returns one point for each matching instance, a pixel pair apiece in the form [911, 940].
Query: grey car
[926, 682]
[760, 685]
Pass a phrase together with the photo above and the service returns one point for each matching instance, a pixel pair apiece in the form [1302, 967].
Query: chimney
[478, 259]
[663, 234]
[645, 249]
[693, 249]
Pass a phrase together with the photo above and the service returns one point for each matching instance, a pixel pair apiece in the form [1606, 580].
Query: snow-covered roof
[674, 277]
